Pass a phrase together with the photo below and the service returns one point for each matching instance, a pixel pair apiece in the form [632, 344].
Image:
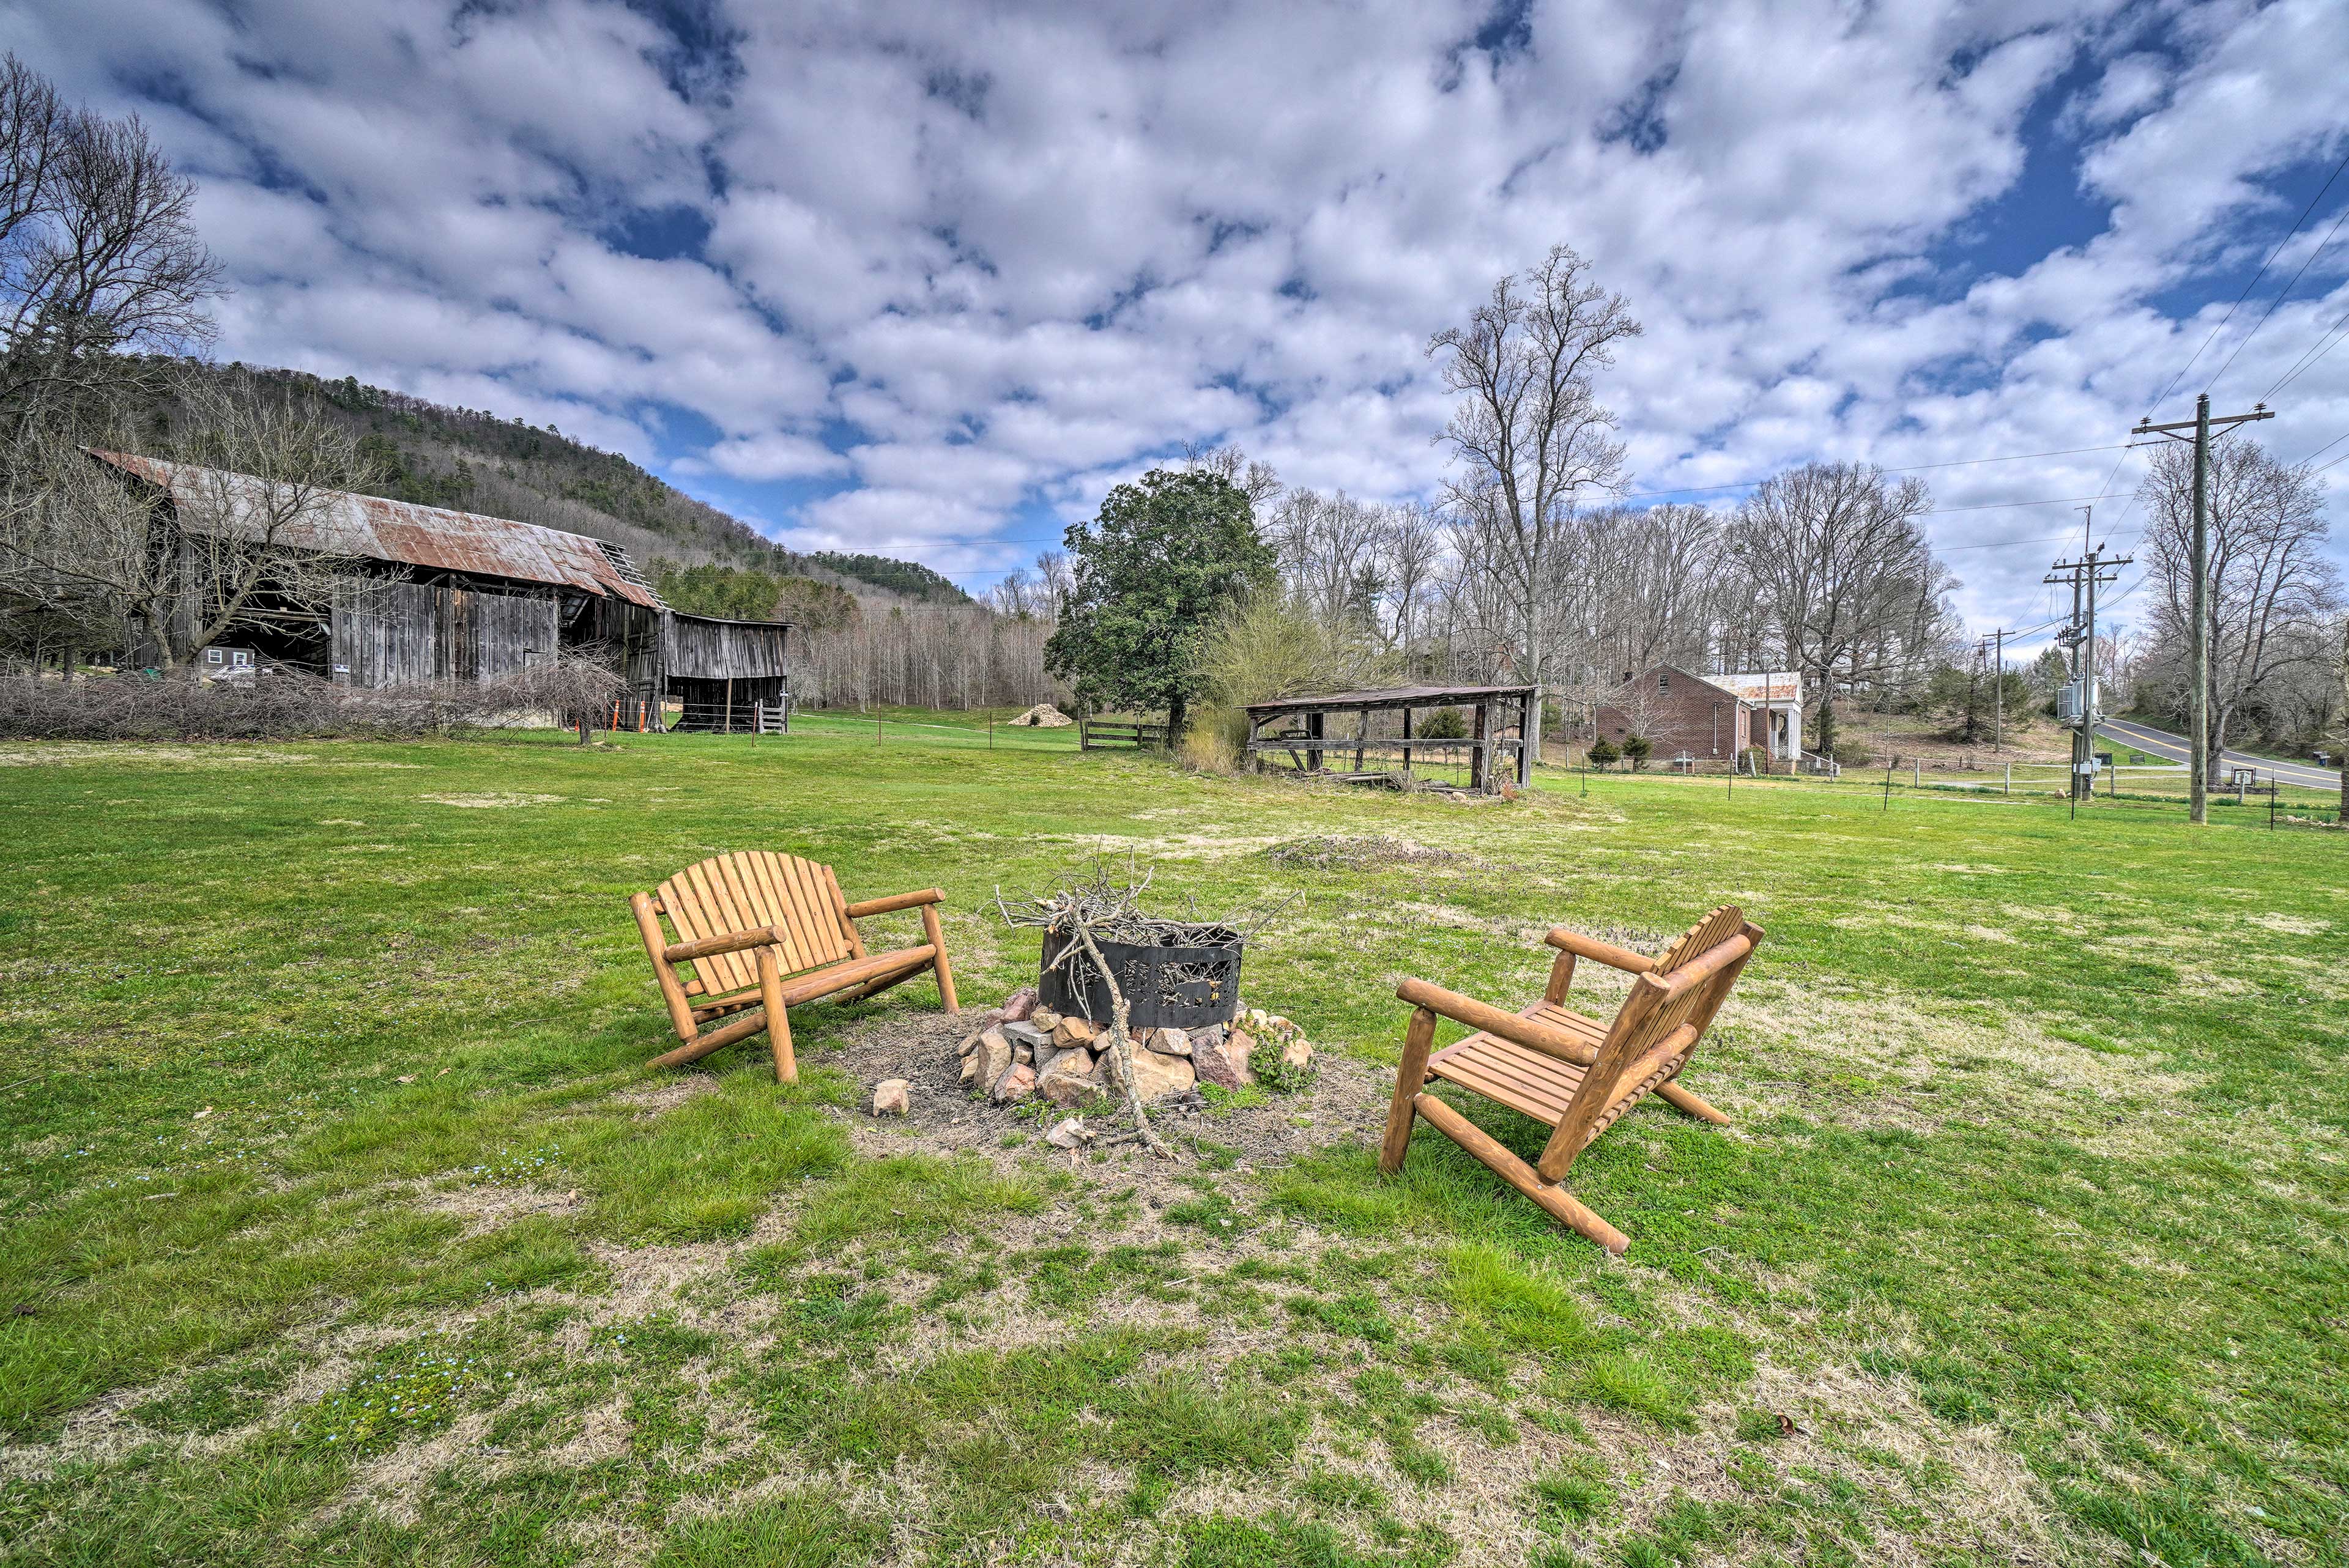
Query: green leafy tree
[1164, 556]
[1637, 748]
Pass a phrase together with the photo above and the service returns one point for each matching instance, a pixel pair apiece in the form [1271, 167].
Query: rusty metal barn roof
[373, 527]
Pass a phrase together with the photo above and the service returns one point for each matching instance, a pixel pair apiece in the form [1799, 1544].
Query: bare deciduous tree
[98, 253]
[1528, 432]
[1840, 572]
[2271, 590]
[1254, 477]
[242, 539]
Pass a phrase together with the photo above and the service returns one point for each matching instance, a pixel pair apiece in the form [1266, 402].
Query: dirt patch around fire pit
[1257, 1126]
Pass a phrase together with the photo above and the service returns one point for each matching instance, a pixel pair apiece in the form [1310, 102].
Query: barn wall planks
[387, 633]
[700, 648]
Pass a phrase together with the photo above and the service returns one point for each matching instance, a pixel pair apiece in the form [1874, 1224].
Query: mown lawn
[339, 1221]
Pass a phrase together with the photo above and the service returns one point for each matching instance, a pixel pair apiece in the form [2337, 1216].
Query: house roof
[1389, 697]
[372, 528]
[1762, 685]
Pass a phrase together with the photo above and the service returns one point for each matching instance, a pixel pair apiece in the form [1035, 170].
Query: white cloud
[1012, 251]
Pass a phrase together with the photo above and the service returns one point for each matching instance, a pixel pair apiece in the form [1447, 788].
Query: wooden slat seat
[1570, 1072]
[758, 932]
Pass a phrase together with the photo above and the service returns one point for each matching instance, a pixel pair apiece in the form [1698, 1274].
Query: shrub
[1445, 723]
[1603, 753]
[1757, 761]
[1260, 648]
[1637, 749]
[1853, 753]
[287, 704]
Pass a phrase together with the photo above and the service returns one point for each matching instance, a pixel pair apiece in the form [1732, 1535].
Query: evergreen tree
[1164, 556]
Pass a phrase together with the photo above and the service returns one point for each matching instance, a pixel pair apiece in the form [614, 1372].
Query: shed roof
[374, 528]
[1389, 697]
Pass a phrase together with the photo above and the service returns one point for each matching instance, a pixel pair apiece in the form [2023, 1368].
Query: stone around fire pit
[1156, 1076]
[1168, 1042]
[1018, 1082]
[1018, 1005]
[1224, 1063]
[890, 1097]
[1071, 1080]
[1027, 1034]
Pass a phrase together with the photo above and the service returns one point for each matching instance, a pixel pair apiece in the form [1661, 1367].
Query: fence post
[2009, 786]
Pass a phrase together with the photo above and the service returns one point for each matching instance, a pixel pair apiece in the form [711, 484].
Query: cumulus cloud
[933, 273]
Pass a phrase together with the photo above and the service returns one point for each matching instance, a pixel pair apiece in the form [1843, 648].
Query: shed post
[1362, 738]
[1479, 741]
[1316, 727]
[1406, 740]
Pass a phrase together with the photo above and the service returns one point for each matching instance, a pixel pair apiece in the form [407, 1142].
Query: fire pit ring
[1166, 987]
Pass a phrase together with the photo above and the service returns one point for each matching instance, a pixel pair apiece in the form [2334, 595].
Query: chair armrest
[1606, 952]
[732, 941]
[1512, 1026]
[895, 902]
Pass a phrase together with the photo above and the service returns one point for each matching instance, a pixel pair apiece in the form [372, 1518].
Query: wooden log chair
[1571, 1072]
[760, 933]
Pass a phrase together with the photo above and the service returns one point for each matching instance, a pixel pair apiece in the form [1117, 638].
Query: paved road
[2173, 748]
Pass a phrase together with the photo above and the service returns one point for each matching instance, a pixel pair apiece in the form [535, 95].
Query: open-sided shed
[727, 674]
[1386, 725]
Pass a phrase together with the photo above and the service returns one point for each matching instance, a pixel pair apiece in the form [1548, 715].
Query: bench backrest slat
[730, 893]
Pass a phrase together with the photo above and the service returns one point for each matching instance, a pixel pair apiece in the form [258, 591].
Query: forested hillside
[472, 461]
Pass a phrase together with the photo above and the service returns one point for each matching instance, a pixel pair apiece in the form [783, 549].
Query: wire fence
[2151, 790]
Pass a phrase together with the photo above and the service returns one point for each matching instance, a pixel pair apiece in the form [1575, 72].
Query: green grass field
[340, 1223]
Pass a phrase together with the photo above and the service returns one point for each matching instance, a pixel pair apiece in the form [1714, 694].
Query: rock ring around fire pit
[1034, 1051]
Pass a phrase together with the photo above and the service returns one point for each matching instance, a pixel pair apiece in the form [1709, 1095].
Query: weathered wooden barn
[435, 594]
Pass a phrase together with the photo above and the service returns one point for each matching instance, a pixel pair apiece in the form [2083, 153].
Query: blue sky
[926, 279]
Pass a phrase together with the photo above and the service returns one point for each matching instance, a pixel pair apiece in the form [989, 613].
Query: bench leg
[1675, 1095]
[779, 1023]
[1561, 1204]
[946, 971]
[1410, 1074]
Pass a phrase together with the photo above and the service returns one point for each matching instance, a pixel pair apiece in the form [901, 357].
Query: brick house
[1707, 717]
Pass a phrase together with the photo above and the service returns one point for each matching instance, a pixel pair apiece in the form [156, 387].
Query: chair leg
[1561, 1204]
[1410, 1073]
[946, 971]
[1675, 1095]
[779, 1022]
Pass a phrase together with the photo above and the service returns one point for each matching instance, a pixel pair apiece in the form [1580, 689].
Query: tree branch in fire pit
[1102, 907]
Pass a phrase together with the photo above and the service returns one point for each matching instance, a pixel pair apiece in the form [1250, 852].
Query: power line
[2320, 451]
[2163, 395]
[2326, 342]
[2285, 291]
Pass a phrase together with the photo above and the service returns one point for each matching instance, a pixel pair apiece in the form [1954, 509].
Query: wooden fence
[1109, 735]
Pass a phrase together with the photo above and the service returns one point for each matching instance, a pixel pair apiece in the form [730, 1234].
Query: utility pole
[2092, 568]
[2198, 746]
[1997, 696]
